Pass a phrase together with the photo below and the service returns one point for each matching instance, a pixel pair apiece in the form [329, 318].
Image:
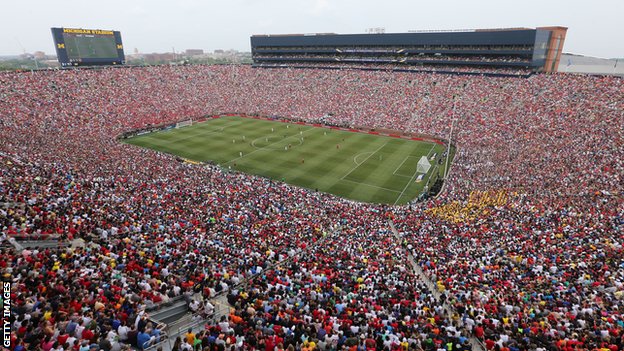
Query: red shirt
[62, 339]
[87, 334]
[479, 331]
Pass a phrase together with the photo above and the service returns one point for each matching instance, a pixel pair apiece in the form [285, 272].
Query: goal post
[423, 165]
[186, 123]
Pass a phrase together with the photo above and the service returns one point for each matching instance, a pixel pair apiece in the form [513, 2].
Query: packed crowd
[388, 58]
[542, 269]
[402, 67]
[365, 297]
[391, 48]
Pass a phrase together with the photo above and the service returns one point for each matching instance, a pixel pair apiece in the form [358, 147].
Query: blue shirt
[141, 339]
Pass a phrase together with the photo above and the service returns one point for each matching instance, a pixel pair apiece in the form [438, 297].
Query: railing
[174, 325]
[182, 324]
[161, 305]
[192, 325]
[18, 247]
[164, 337]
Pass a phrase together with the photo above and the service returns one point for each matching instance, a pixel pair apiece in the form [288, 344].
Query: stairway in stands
[476, 344]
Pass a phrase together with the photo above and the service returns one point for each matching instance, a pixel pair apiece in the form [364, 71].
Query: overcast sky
[595, 26]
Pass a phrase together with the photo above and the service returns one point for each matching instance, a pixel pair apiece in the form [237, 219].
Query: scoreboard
[88, 47]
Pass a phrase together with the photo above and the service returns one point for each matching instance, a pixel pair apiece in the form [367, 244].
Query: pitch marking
[372, 153]
[355, 158]
[265, 147]
[253, 143]
[410, 181]
[371, 185]
[211, 131]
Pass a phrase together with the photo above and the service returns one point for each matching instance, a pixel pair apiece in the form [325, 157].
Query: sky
[595, 27]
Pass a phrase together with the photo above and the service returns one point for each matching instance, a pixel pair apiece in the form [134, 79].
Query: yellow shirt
[190, 338]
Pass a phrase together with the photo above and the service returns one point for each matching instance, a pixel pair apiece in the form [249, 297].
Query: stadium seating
[524, 242]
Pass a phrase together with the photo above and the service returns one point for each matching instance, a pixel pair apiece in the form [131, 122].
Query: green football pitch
[353, 165]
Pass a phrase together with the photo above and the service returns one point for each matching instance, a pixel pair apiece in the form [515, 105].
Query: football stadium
[411, 191]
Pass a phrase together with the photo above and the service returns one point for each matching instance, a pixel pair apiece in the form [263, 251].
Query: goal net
[184, 123]
[423, 165]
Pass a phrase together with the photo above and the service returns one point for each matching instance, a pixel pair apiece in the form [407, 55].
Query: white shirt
[123, 332]
[79, 330]
[209, 308]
